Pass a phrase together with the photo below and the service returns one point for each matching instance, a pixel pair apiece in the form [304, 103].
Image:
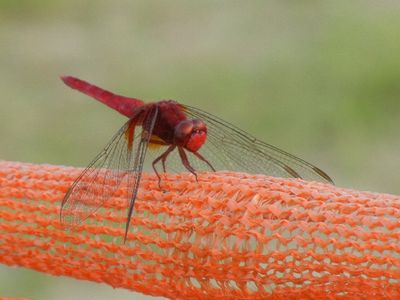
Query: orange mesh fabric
[227, 236]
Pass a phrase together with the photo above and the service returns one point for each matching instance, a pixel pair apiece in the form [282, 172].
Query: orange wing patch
[156, 142]
[130, 134]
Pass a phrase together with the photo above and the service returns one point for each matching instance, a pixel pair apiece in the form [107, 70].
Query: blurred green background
[319, 79]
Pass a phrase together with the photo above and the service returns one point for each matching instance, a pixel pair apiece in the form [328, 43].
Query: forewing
[109, 171]
[230, 148]
[140, 150]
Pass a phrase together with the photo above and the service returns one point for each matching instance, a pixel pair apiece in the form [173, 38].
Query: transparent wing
[99, 181]
[230, 148]
[140, 151]
[119, 165]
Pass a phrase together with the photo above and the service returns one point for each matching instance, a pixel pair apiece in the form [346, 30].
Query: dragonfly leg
[163, 163]
[185, 162]
[162, 157]
[201, 157]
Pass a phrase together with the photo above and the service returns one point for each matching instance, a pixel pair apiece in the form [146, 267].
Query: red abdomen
[123, 105]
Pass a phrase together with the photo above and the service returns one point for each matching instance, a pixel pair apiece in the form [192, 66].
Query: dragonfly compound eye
[199, 125]
[182, 132]
[190, 134]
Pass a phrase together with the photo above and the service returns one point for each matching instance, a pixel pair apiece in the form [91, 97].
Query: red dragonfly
[197, 140]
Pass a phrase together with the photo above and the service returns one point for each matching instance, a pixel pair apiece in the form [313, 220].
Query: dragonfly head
[190, 134]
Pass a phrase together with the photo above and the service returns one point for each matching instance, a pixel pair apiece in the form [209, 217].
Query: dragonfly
[173, 134]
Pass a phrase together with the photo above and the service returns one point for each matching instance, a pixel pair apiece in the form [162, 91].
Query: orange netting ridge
[227, 236]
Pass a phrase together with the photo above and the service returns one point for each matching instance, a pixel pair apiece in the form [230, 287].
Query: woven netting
[227, 236]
